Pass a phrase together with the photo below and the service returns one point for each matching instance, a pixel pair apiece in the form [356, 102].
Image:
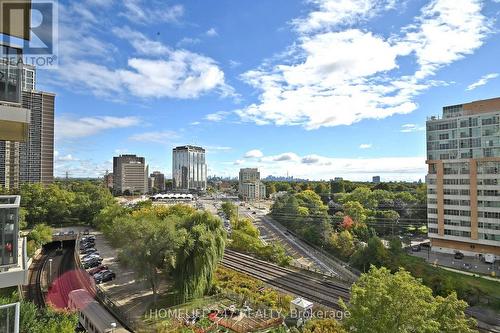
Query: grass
[7, 292]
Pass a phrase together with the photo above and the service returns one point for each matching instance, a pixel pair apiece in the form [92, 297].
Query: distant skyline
[318, 88]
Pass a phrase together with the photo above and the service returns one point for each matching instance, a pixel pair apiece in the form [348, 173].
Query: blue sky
[315, 88]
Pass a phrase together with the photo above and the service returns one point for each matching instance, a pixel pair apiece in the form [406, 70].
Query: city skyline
[255, 88]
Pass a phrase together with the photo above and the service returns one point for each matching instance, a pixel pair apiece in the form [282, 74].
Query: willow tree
[152, 249]
[199, 254]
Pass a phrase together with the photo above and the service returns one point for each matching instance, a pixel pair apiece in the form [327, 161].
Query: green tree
[374, 253]
[200, 252]
[45, 320]
[382, 302]
[337, 186]
[343, 244]
[39, 236]
[323, 326]
[229, 209]
[355, 210]
[154, 249]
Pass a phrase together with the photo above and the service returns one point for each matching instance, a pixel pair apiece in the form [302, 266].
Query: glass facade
[189, 168]
[9, 230]
[10, 74]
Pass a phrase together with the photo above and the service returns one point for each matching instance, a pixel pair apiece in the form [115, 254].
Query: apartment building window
[488, 193]
[488, 182]
[433, 230]
[489, 215]
[432, 210]
[490, 237]
[458, 233]
[432, 201]
[490, 121]
[491, 226]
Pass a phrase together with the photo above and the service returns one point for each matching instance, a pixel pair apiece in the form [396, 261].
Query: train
[92, 316]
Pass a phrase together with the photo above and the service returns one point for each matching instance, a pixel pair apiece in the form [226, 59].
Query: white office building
[189, 168]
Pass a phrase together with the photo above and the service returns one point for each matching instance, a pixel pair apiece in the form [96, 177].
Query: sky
[311, 88]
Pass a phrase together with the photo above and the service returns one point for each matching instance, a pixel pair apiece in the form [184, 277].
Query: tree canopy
[382, 302]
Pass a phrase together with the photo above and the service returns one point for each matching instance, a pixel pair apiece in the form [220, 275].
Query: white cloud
[280, 158]
[332, 13]
[142, 12]
[67, 127]
[365, 146]
[409, 128]
[140, 42]
[188, 41]
[217, 116]
[482, 81]
[334, 77]
[65, 158]
[212, 32]
[255, 153]
[322, 167]
[183, 75]
[316, 167]
[234, 63]
[195, 123]
[218, 148]
[156, 71]
[447, 31]
[162, 137]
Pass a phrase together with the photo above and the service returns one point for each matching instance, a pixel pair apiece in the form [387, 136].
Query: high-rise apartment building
[130, 174]
[37, 155]
[249, 186]
[189, 168]
[463, 181]
[29, 78]
[31, 161]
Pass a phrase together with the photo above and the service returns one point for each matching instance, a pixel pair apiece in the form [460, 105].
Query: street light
[50, 271]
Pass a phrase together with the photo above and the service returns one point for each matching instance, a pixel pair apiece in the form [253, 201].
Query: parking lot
[468, 264]
[131, 296]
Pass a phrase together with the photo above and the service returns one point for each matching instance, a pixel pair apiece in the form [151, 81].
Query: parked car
[88, 250]
[91, 255]
[104, 276]
[459, 255]
[467, 266]
[94, 262]
[84, 246]
[416, 248]
[98, 269]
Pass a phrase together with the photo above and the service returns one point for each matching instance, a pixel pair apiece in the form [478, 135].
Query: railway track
[314, 289]
[35, 293]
